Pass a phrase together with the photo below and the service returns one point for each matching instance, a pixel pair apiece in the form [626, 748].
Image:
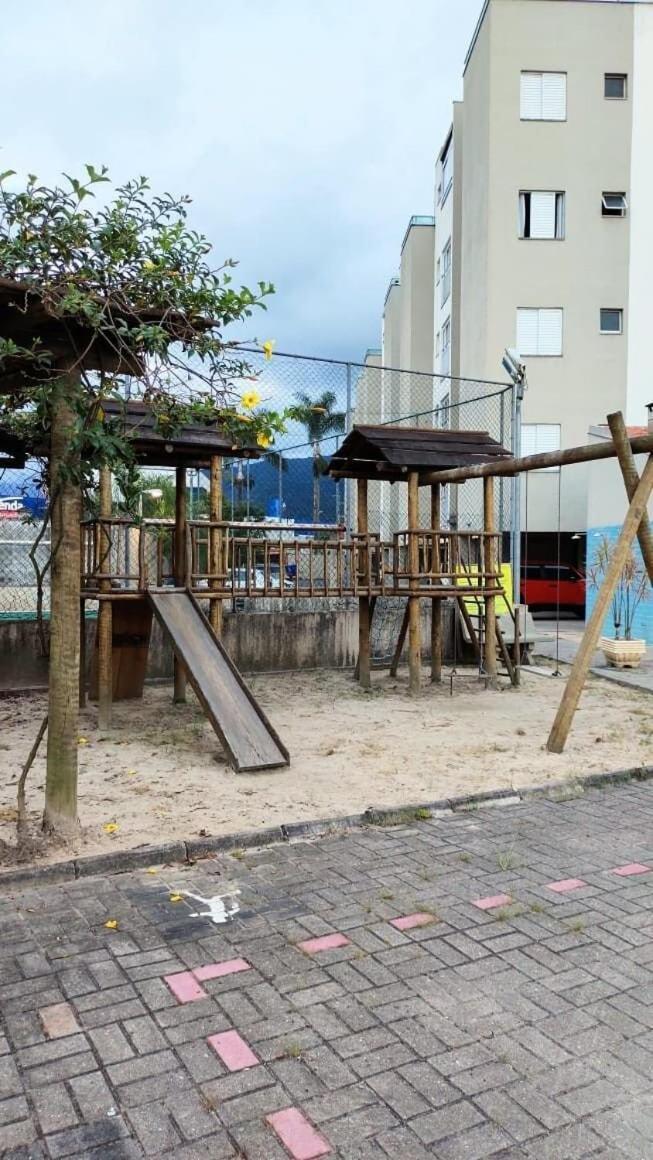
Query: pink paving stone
[233, 1051]
[565, 885]
[631, 868]
[217, 970]
[185, 987]
[326, 942]
[59, 1020]
[409, 921]
[298, 1135]
[492, 901]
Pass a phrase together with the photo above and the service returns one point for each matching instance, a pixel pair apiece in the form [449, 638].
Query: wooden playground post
[583, 659]
[215, 541]
[414, 635]
[364, 650]
[180, 568]
[489, 566]
[631, 480]
[105, 608]
[436, 605]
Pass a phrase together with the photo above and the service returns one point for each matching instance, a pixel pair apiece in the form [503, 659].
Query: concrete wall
[606, 509]
[638, 326]
[257, 642]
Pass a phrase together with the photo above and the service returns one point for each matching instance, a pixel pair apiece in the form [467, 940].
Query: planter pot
[623, 654]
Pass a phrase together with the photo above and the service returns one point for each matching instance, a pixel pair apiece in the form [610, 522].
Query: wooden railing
[277, 560]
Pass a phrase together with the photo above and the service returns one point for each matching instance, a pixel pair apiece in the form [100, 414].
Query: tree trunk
[60, 814]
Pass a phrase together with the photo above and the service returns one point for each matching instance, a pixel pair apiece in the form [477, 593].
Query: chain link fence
[288, 484]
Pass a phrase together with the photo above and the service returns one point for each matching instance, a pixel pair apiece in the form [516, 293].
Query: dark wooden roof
[390, 452]
[25, 316]
[190, 446]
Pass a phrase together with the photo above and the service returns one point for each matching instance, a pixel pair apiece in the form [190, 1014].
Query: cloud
[306, 132]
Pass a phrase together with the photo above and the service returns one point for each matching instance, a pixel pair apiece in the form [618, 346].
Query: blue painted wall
[643, 622]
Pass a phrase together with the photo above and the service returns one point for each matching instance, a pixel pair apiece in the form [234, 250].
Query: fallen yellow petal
[82, 741]
[112, 924]
[132, 773]
[152, 870]
[176, 897]
[110, 827]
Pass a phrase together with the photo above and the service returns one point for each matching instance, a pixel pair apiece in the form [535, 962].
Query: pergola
[192, 445]
[411, 455]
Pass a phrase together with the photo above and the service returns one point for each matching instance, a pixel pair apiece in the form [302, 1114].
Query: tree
[320, 421]
[92, 291]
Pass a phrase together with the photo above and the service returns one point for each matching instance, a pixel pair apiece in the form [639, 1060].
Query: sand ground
[160, 774]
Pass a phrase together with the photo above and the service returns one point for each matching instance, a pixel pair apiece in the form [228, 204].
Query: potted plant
[633, 587]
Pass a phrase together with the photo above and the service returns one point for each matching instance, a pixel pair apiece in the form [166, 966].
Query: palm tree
[320, 421]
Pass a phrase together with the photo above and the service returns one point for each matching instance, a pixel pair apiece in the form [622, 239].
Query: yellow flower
[250, 399]
[112, 924]
[111, 827]
[268, 348]
[263, 440]
[243, 418]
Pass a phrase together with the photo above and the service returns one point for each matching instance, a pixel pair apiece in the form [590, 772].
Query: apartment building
[556, 239]
[543, 236]
[406, 382]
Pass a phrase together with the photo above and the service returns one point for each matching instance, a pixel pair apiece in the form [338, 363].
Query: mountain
[296, 483]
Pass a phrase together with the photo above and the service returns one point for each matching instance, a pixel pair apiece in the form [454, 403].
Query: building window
[612, 321]
[543, 96]
[541, 214]
[539, 437]
[445, 269]
[613, 204]
[443, 413]
[445, 349]
[539, 331]
[615, 86]
[446, 162]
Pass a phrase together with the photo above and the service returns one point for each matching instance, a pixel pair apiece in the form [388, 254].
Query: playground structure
[184, 562]
[136, 569]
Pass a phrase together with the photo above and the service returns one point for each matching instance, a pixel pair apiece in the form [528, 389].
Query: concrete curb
[385, 816]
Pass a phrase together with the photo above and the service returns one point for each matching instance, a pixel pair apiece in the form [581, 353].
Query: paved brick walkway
[500, 1017]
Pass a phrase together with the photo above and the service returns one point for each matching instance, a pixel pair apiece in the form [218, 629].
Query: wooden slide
[245, 732]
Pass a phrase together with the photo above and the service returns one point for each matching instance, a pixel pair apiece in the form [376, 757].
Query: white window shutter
[554, 96]
[549, 339]
[531, 96]
[540, 437]
[528, 438]
[527, 330]
[543, 215]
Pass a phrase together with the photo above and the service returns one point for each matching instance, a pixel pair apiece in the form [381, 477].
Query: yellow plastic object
[469, 579]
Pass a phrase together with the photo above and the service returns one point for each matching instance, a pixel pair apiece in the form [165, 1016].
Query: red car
[544, 586]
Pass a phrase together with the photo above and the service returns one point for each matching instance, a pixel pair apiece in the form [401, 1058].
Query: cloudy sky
[305, 130]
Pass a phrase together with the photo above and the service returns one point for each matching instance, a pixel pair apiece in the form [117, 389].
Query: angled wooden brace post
[583, 659]
[631, 480]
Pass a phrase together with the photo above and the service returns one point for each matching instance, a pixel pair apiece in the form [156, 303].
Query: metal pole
[515, 491]
[502, 435]
[348, 426]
